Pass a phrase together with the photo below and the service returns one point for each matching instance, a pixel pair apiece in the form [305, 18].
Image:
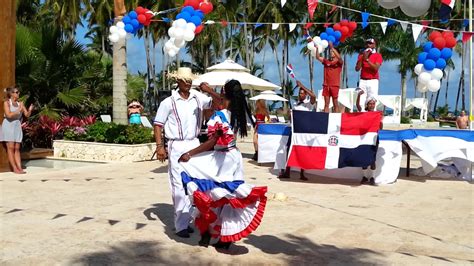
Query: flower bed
[95, 151]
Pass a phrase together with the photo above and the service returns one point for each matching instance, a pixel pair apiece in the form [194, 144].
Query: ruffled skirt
[228, 207]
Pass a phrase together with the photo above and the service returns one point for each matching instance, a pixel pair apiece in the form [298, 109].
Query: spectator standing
[462, 122]
[261, 115]
[368, 63]
[332, 77]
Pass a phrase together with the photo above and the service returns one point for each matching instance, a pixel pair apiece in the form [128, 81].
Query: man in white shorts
[180, 115]
[368, 63]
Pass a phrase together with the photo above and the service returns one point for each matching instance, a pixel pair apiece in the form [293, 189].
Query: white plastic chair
[281, 119]
[106, 118]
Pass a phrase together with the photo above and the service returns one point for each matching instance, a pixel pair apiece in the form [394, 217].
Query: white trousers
[370, 87]
[181, 202]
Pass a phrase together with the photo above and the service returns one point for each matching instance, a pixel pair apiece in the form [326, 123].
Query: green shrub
[405, 120]
[110, 133]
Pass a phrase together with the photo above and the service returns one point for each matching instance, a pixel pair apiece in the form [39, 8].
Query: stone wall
[94, 151]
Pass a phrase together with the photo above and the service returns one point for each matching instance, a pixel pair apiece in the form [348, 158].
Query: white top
[306, 105]
[182, 118]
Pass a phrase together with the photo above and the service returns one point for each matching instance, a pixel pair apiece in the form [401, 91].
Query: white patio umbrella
[219, 74]
[269, 96]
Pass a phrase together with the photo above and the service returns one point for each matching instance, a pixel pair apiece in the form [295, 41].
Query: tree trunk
[7, 64]
[277, 59]
[119, 108]
[403, 92]
[247, 54]
[436, 101]
[311, 75]
[447, 87]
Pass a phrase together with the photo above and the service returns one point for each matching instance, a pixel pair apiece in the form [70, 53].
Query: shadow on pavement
[301, 249]
[160, 170]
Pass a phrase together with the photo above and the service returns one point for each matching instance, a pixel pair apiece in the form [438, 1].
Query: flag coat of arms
[333, 140]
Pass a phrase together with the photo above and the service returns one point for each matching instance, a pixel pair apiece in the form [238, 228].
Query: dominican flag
[289, 70]
[333, 140]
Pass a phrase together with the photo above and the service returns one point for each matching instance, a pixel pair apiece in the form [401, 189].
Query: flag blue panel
[310, 122]
[362, 156]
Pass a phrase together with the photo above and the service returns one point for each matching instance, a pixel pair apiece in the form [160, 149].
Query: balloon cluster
[409, 7]
[187, 25]
[130, 23]
[336, 34]
[432, 60]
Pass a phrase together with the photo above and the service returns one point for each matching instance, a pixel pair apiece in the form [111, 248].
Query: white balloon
[388, 4]
[188, 35]
[437, 74]
[171, 32]
[320, 48]
[414, 8]
[424, 78]
[313, 53]
[422, 87]
[113, 29]
[181, 23]
[311, 46]
[169, 45]
[178, 33]
[434, 85]
[171, 53]
[324, 44]
[179, 43]
[174, 48]
[418, 69]
[114, 37]
[165, 49]
[120, 25]
[122, 33]
[190, 26]
[316, 39]
[174, 24]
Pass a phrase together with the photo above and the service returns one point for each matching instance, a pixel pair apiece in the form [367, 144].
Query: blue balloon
[128, 28]
[429, 64]
[434, 54]
[324, 36]
[422, 57]
[446, 53]
[441, 63]
[195, 20]
[330, 31]
[135, 23]
[199, 13]
[184, 15]
[132, 14]
[331, 39]
[336, 43]
[188, 9]
[140, 26]
[126, 19]
[337, 34]
[427, 46]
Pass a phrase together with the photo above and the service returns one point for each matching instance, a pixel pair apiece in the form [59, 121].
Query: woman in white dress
[228, 208]
[11, 132]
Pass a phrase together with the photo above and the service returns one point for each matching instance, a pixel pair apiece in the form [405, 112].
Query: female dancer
[11, 132]
[229, 208]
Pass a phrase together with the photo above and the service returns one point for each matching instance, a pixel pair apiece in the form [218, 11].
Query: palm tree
[66, 14]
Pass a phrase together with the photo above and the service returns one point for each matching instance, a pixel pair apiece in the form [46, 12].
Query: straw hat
[183, 73]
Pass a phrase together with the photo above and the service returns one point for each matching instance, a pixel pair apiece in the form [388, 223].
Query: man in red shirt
[369, 63]
[332, 77]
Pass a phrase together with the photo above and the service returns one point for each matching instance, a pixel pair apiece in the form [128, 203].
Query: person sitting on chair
[134, 112]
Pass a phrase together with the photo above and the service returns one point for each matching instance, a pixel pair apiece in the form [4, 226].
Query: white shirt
[182, 118]
[306, 105]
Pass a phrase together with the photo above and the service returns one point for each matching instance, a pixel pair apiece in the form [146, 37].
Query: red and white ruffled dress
[227, 207]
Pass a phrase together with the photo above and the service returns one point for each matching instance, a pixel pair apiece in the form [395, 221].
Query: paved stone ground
[121, 214]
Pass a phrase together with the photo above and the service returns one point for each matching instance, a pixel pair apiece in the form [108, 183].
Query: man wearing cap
[180, 115]
[369, 63]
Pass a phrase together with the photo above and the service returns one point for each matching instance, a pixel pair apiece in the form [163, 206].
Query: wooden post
[7, 64]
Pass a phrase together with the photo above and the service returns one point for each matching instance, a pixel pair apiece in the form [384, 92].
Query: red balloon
[439, 43]
[140, 10]
[344, 22]
[206, 7]
[434, 35]
[147, 22]
[343, 39]
[337, 27]
[198, 29]
[345, 31]
[141, 18]
[192, 3]
[352, 25]
[451, 42]
[148, 16]
[447, 34]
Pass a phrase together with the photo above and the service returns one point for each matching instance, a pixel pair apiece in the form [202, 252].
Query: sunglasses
[135, 106]
[17, 92]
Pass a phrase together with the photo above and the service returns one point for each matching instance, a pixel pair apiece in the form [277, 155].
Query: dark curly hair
[239, 109]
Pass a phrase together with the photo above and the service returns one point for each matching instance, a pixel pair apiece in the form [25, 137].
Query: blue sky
[389, 78]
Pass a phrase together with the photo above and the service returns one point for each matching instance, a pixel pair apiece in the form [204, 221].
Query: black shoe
[222, 245]
[205, 239]
[255, 156]
[364, 180]
[302, 177]
[372, 181]
[190, 230]
[183, 233]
